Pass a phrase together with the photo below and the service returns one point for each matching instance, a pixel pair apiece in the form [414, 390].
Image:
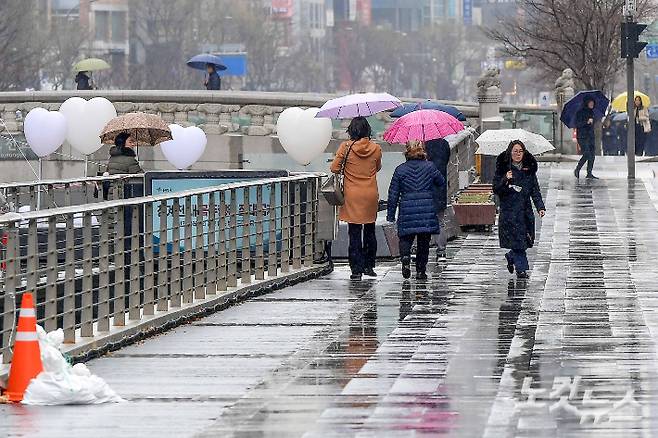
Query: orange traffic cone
[26, 363]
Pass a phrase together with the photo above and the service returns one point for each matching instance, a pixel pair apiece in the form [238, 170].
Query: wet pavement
[470, 353]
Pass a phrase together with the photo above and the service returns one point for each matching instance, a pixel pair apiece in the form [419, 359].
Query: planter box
[475, 214]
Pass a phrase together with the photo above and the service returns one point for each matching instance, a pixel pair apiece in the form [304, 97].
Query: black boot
[370, 272]
[406, 267]
[510, 263]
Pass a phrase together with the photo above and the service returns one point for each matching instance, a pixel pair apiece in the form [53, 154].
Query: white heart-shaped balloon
[45, 131]
[186, 147]
[86, 120]
[303, 136]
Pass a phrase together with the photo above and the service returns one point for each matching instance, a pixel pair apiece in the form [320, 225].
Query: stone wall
[217, 113]
[236, 123]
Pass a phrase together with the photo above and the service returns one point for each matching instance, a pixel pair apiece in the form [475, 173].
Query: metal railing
[47, 194]
[96, 267]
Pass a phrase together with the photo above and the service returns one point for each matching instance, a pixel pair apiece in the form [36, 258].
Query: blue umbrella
[199, 62]
[574, 104]
[428, 104]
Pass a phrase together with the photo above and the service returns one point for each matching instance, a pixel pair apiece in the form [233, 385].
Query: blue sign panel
[652, 51]
[236, 64]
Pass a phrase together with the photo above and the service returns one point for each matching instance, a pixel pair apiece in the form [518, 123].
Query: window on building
[118, 27]
[102, 25]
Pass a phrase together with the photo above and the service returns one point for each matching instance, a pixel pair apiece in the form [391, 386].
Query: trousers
[520, 259]
[362, 247]
[588, 157]
[422, 249]
[441, 239]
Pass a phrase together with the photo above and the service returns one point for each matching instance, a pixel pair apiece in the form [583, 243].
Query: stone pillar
[564, 90]
[489, 97]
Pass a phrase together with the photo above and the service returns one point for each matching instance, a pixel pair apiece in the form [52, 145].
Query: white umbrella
[496, 141]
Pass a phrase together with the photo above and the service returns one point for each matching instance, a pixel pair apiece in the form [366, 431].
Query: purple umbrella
[355, 105]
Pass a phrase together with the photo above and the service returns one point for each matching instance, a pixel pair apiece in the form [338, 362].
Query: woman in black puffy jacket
[412, 191]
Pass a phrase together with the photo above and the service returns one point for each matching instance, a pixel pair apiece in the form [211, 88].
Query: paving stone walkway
[470, 353]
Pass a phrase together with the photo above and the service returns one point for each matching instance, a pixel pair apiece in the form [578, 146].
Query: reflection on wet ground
[469, 353]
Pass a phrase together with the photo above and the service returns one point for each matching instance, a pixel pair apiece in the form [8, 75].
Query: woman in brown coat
[364, 160]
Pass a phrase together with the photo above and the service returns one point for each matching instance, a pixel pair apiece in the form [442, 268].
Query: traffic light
[630, 34]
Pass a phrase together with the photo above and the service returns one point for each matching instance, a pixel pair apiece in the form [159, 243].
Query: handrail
[58, 182]
[80, 209]
[94, 268]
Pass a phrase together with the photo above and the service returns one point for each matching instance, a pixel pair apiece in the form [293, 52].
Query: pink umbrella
[355, 105]
[422, 125]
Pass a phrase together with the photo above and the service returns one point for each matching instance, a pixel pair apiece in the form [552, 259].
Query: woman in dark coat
[438, 152]
[412, 191]
[516, 185]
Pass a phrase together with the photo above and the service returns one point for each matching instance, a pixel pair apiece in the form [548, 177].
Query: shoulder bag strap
[344, 162]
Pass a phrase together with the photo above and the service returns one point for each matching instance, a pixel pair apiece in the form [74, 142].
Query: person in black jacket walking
[412, 191]
[83, 81]
[214, 82]
[438, 152]
[585, 137]
[515, 183]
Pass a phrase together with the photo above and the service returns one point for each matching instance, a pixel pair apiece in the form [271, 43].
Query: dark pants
[363, 247]
[520, 259]
[587, 149]
[422, 249]
[640, 139]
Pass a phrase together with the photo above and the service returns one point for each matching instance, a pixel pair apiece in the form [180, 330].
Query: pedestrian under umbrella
[213, 82]
[211, 64]
[83, 81]
[584, 124]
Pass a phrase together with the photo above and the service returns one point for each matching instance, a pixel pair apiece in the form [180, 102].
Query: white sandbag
[63, 384]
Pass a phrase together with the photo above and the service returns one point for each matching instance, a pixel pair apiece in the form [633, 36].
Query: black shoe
[406, 268]
[421, 276]
[576, 173]
[522, 275]
[590, 176]
[355, 277]
[441, 256]
[510, 263]
[370, 273]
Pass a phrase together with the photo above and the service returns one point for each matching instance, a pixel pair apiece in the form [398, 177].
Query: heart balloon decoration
[303, 136]
[86, 120]
[45, 131]
[186, 148]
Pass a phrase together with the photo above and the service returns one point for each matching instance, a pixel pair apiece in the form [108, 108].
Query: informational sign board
[236, 64]
[544, 98]
[159, 183]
